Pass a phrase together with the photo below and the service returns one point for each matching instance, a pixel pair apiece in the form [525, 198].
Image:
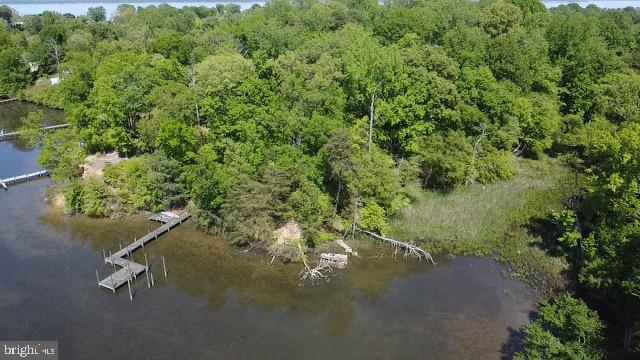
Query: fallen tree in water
[315, 274]
[409, 249]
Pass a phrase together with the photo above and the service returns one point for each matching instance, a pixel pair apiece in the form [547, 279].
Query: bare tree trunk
[192, 83]
[197, 114]
[55, 47]
[628, 336]
[409, 249]
[476, 145]
[335, 211]
[371, 115]
[356, 205]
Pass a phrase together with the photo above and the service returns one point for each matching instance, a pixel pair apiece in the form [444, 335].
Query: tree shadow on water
[515, 341]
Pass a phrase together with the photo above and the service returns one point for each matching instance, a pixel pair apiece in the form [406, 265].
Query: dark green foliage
[97, 14]
[6, 13]
[13, 71]
[150, 182]
[564, 329]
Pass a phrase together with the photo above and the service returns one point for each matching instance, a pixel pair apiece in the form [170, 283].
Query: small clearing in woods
[94, 164]
[481, 219]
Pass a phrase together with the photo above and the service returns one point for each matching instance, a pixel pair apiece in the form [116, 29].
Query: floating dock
[130, 270]
[15, 134]
[4, 183]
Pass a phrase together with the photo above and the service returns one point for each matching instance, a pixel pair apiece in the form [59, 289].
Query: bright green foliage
[500, 17]
[373, 218]
[539, 122]
[95, 199]
[62, 155]
[564, 329]
[566, 221]
[31, 129]
[90, 197]
[619, 96]
[445, 160]
[309, 205]
[177, 140]
[529, 6]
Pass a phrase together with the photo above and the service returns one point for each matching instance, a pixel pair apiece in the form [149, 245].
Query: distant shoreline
[80, 7]
[97, 3]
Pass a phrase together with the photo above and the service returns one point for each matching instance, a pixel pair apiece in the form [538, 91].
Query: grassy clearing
[495, 218]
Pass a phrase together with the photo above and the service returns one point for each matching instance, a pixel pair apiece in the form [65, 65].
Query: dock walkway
[129, 269]
[15, 134]
[22, 178]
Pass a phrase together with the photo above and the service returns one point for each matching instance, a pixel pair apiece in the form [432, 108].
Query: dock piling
[129, 270]
[98, 277]
[164, 265]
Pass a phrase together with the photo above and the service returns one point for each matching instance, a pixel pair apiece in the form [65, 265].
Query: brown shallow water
[219, 302]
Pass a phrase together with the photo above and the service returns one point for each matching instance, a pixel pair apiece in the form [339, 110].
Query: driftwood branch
[409, 249]
[313, 275]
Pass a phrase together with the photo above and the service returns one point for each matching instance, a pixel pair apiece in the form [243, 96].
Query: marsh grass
[494, 219]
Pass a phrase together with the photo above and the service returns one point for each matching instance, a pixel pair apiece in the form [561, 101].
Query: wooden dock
[23, 178]
[130, 270]
[15, 134]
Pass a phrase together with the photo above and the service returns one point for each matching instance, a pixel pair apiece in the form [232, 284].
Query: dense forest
[340, 114]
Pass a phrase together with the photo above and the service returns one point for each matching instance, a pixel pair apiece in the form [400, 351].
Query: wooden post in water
[120, 243]
[113, 263]
[153, 283]
[129, 285]
[98, 277]
[164, 265]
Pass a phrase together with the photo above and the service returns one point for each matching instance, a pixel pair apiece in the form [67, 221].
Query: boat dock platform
[4, 183]
[15, 134]
[129, 270]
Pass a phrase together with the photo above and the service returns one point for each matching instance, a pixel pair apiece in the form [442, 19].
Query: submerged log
[409, 249]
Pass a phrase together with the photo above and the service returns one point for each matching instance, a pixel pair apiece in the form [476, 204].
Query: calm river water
[221, 303]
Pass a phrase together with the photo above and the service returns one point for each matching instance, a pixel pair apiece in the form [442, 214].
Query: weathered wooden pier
[15, 134]
[23, 178]
[129, 270]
